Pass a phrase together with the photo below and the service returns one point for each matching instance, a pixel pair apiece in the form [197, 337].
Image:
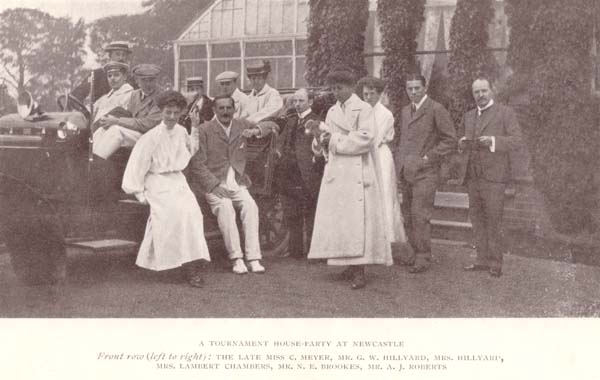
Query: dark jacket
[298, 172]
[430, 132]
[206, 112]
[498, 121]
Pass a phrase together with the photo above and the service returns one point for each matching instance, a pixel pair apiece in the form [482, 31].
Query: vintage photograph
[299, 159]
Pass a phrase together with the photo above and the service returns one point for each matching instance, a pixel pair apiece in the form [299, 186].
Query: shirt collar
[262, 91]
[481, 109]
[305, 113]
[348, 101]
[418, 105]
[223, 126]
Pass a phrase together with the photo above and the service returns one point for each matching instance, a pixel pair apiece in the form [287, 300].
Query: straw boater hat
[117, 45]
[258, 68]
[114, 65]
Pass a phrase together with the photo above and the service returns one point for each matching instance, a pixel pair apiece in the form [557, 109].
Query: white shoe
[255, 267]
[239, 267]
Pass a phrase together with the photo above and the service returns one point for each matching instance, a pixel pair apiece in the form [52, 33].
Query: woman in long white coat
[349, 224]
[372, 89]
[175, 232]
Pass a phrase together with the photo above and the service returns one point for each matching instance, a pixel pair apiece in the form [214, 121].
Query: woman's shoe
[358, 281]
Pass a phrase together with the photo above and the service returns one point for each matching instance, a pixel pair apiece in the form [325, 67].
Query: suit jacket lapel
[235, 132]
[421, 111]
[219, 131]
[486, 118]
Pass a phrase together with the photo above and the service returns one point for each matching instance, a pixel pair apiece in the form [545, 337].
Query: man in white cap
[114, 104]
[124, 130]
[264, 101]
[199, 103]
[227, 82]
[118, 51]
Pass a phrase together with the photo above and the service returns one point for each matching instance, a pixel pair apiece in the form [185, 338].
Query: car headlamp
[66, 129]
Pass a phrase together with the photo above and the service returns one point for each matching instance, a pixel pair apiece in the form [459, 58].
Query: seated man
[227, 81]
[264, 101]
[217, 170]
[140, 114]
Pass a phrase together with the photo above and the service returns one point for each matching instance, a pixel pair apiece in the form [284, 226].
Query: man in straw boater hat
[264, 101]
[118, 51]
[349, 227]
[227, 81]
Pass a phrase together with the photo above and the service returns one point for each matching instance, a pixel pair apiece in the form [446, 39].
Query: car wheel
[274, 233]
[37, 254]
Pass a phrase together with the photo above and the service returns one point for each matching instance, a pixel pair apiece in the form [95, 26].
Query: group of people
[338, 177]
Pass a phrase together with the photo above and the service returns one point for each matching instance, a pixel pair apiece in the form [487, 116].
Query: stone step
[451, 230]
[451, 206]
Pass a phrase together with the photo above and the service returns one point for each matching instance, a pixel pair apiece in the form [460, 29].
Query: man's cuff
[493, 146]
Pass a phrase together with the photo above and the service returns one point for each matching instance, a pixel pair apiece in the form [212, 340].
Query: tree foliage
[40, 53]
[400, 25]
[335, 36]
[549, 52]
[150, 33]
[470, 57]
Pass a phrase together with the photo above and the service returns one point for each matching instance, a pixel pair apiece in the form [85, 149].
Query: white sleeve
[271, 107]
[138, 165]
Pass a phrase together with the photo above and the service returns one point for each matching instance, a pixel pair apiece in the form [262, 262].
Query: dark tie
[413, 109]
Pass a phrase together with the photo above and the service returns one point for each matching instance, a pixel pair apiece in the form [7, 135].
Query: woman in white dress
[175, 230]
[372, 89]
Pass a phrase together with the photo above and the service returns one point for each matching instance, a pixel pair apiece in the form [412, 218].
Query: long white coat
[175, 230]
[350, 223]
[384, 122]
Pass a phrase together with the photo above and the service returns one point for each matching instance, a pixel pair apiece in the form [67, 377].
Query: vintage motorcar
[49, 197]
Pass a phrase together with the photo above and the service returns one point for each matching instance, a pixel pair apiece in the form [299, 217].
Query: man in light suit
[218, 171]
[427, 136]
[264, 101]
[489, 133]
[141, 113]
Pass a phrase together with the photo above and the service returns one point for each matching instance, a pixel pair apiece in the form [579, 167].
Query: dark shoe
[406, 263]
[476, 267]
[418, 268]
[495, 272]
[358, 281]
[196, 281]
[347, 274]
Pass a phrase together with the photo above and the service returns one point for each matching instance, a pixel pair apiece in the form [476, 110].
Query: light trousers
[108, 141]
[225, 211]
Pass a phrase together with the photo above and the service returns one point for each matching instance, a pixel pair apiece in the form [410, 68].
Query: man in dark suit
[217, 170]
[427, 136]
[298, 174]
[489, 133]
[200, 103]
[118, 51]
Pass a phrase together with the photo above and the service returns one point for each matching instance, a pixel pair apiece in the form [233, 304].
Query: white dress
[384, 121]
[175, 228]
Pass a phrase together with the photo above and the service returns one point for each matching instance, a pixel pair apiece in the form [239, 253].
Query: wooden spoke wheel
[273, 231]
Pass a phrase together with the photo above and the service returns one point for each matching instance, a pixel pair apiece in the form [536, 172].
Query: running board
[103, 245]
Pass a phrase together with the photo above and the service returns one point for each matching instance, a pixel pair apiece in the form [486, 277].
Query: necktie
[413, 109]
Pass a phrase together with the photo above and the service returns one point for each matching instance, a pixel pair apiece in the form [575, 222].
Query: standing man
[218, 171]
[200, 103]
[299, 174]
[427, 136]
[264, 101]
[350, 223]
[489, 133]
[227, 81]
[118, 51]
[143, 114]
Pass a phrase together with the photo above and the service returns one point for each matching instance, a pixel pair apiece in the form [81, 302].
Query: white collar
[223, 126]
[305, 113]
[481, 109]
[421, 102]
[263, 90]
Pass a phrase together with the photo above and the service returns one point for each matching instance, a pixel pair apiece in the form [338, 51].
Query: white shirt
[479, 112]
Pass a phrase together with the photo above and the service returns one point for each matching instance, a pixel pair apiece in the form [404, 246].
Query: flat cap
[194, 81]
[117, 45]
[258, 68]
[146, 70]
[114, 65]
[226, 76]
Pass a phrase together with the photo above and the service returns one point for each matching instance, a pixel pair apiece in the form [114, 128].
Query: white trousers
[107, 141]
[224, 210]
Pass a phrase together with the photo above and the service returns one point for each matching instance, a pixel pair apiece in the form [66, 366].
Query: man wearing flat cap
[118, 51]
[114, 104]
[227, 81]
[142, 114]
[264, 101]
